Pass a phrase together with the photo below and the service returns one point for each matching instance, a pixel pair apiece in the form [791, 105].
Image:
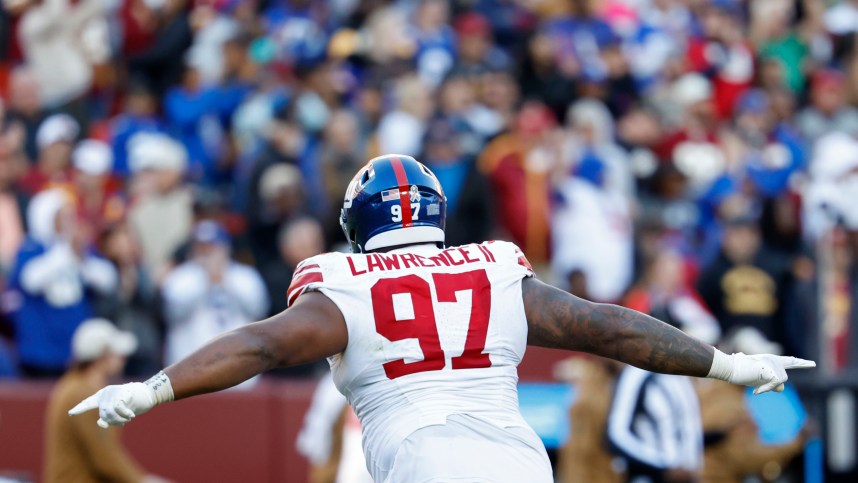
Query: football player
[424, 340]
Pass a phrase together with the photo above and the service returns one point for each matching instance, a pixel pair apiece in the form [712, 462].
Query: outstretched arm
[559, 320]
[313, 328]
[310, 330]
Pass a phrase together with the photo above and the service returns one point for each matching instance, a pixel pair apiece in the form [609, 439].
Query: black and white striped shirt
[654, 424]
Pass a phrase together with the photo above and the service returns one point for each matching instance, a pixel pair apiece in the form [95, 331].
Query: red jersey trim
[299, 285]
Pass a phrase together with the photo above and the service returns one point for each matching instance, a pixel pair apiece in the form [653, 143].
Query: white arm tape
[161, 387]
[722, 366]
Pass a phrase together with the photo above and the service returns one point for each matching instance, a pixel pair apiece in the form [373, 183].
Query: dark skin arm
[312, 329]
[559, 320]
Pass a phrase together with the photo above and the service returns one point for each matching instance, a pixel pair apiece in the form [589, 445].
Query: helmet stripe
[404, 199]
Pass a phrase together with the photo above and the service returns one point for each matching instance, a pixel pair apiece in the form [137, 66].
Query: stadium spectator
[770, 153]
[469, 198]
[477, 51]
[282, 197]
[744, 285]
[402, 129]
[282, 141]
[499, 92]
[473, 122]
[24, 107]
[192, 110]
[98, 199]
[546, 79]
[435, 41]
[134, 304]
[55, 140]
[139, 114]
[76, 449]
[833, 184]
[51, 35]
[724, 53]
[829, 109]
[694, 147]
[591, 219]
[159, 199]
[160, 63]
[518, 165]
[298, 239]
[56, 276]
[341, 153]
[209, 294]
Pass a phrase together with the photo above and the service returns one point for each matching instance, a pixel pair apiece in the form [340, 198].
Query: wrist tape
[161, 387]
[722, 366]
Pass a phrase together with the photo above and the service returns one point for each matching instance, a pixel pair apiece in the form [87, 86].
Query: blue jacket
[123, 128]
[43, 331]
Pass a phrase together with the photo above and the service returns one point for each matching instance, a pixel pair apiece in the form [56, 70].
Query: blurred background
[165, 164]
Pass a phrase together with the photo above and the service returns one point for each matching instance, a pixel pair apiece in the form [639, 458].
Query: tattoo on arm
[559, 320]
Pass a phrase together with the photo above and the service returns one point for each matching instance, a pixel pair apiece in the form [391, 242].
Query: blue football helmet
[393, 200]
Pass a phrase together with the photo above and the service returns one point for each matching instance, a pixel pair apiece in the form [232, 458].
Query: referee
[654, 427]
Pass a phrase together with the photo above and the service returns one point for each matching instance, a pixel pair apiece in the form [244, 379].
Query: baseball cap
[156, 151]
[208, 231]
[92, 157]
[754, 101]
[691, 88]
[472, 24]
[277, 178]
[95, 336]
[827, 79]
[534, 118]
[56, 128]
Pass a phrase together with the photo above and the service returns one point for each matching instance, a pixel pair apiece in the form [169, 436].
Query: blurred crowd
[165, 164]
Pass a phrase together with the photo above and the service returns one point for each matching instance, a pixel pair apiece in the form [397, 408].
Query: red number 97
[423, 326]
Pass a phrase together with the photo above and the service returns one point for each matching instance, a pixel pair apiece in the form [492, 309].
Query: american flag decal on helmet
[390, 195]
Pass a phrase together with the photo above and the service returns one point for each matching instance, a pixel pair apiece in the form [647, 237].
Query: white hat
[751, 341]
[148, 150]
[834, 155]
[95, 336]
[701, 162]
[691, 88]
[42, 213]
[278, 177]
[59, 127]
[93, 157]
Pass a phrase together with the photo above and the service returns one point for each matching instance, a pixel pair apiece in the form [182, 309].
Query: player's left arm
[311, 329]
[559, 320]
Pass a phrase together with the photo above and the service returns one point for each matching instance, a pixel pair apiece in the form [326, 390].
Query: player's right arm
[311, 329]
[559, 320]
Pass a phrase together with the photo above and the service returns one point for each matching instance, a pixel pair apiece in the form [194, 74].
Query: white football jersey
[433, 333]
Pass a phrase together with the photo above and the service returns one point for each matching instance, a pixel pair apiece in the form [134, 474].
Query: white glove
[763, 372]
[119, 404]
